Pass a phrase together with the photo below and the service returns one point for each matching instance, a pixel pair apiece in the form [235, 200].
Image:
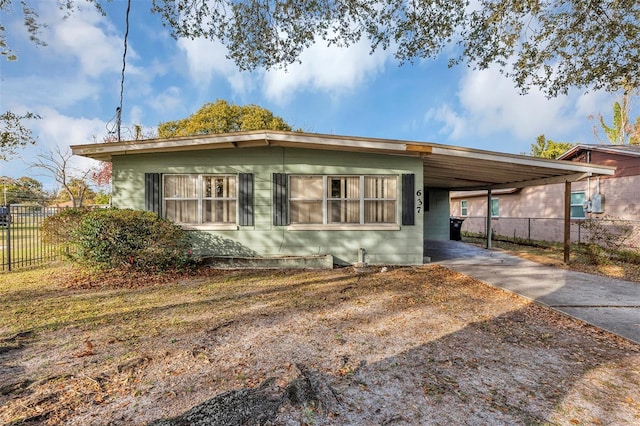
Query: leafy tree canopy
[21, 190]
[13, 133]
[222, 117]
[622, 130]
[551, 44]
[546, 148]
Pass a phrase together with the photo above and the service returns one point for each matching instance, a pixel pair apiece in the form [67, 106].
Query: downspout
[489, 232]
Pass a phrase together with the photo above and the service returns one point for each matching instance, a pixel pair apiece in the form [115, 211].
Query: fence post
[9, 238]
[579, 228]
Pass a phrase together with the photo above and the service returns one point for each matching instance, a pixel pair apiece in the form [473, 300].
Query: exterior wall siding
[402, 247]
[436, 220]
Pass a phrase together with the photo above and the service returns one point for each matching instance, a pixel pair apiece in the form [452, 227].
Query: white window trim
[584, 193]
[492, 200]
[211, 226]
[343, 227]
[466, 207]
[325, 226]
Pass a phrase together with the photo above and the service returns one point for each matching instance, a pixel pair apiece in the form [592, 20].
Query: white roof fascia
[605, 148]
[233, 140]
[307, 139]
[524, 161]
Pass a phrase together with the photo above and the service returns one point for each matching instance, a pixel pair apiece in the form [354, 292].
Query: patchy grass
[408, 346]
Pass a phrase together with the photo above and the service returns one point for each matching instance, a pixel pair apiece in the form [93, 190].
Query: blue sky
[74, 84]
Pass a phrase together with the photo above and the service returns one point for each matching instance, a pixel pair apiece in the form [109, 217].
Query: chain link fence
[532, 229]
[21, 243]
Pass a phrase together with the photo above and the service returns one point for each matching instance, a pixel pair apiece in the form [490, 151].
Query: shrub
[112, 238]
[61, 227]
[605, 238]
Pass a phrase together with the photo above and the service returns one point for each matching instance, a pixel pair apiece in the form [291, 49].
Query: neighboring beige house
[536, 212]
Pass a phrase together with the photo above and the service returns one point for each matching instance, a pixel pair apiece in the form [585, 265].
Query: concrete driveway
[613, 305]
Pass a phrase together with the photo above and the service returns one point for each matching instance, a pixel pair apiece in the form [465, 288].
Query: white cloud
[454, 124]
[57, 130]
[168, 101]
[205, 58]
[135, 115]
[88, 37]
[489, 104]
[497, 106]
[325, 68]
[38, 90]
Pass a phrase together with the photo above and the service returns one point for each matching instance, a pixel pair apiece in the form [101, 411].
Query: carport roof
[446, 167]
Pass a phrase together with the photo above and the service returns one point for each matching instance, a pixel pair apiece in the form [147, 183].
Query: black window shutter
[280, 199]
[408, 203]
[152, 196]
[246, 198]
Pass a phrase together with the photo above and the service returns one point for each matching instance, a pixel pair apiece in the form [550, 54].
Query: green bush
[112, 238]
[61, 227]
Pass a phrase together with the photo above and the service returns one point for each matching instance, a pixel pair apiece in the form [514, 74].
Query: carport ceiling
[456, 168]
[445, 167]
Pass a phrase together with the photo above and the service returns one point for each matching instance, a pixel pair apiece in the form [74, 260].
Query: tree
[550, 44]
[101, 175]
[80, 189]
[221, 117]
[21, 190]
[73, 181]
[621, 131]
[13, 134]
[546, 148]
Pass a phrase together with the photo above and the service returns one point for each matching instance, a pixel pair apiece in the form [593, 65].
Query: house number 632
[419, 200]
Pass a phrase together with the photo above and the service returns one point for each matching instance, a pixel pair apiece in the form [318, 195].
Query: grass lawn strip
[406, 346]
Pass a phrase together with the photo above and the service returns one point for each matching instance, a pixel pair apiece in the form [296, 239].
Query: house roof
[447, 167]
[630, 150]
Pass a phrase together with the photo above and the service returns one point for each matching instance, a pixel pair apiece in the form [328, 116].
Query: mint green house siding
[399, 245]
[436, 220]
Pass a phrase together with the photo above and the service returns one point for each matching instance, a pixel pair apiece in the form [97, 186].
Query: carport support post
[567, 220]
[489, 218]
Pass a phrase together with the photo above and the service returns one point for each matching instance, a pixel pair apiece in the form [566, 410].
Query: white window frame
[326, 224]
[571, 205]
[200, 225]
[497, 201]
[464, 208]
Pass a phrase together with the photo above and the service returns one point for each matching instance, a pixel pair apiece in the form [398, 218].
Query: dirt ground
[399, 346]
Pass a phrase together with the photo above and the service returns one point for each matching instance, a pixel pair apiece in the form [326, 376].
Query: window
[463, 208]
[577, 205]
[343, 199]
[495, 207]
[199, 199]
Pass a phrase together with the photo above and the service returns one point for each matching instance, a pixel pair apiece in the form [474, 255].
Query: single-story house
[537, 211]
[273, 193]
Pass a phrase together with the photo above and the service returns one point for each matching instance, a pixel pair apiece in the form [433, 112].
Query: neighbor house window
[577, 205]
[495, 207]
[343, 199]
[200, 199]
[463, 208]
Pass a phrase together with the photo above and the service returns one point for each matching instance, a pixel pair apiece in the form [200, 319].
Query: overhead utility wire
[124, 65]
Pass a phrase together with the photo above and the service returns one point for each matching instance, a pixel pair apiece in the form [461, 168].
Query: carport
[463, 169]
